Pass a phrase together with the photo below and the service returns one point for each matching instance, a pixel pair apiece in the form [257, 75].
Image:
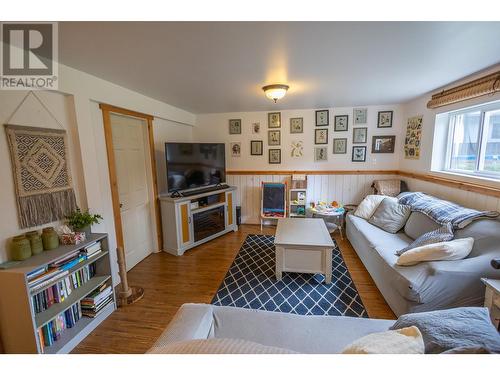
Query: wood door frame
[107, 110]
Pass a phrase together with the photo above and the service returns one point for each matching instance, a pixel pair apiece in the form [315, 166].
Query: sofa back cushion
[418, 224]
[390, 215]
[486, 234]
[368, 206]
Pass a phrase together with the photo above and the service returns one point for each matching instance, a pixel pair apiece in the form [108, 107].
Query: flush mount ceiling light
[275, 92]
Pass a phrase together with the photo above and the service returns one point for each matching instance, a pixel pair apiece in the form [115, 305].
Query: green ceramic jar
[21, 248]
[50, 238]
[35, 242]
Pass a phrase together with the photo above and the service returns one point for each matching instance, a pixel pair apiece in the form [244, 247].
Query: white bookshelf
[18, 321]
[297, 201]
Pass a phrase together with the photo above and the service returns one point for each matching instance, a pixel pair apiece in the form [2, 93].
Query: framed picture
[360, 115]
[274, 120]
[274, 156]
[322, 117]
[321, 136]
[255, 127]
[235, 149]
[358, 153]
[235, 126]
[297, 125]
[341, 123]
[413, 137]
[297, 149]
[384, 119]
[274, 137]
[256, 147]
[383, 144]
[340, 145]
[320, 154]
[359, 135]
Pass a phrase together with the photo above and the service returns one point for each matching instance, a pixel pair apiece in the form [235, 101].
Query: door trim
[113, 180]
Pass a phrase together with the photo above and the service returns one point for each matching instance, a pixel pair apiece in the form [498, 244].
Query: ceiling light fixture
[275, 92]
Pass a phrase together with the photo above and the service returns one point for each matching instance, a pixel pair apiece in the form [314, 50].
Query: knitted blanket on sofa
[442, 211]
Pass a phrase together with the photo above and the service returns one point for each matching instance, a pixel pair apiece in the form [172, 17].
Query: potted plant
[80, 221]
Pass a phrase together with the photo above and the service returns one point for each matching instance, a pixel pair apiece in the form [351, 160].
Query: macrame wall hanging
[41, 170]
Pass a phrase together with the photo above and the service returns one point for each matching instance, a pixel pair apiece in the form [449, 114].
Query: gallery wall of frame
[364, 137]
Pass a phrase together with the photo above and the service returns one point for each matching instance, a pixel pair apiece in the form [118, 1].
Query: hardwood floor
[170, 281]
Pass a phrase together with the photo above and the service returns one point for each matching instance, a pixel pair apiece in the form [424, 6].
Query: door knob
[121, 205]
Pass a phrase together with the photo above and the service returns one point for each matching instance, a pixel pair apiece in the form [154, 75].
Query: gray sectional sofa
[429, 285]
[298, 333]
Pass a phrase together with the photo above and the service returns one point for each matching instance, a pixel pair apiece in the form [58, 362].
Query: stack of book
[51, 332]
[97, 300]
[93, 249]
[58, 292]
[69, 260]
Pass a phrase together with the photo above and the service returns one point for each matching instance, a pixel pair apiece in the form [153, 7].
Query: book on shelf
[68, 257]
[97, 300]
[52, 331]
[92, 248]
[58, 292]
[46, 278]
[36, 272]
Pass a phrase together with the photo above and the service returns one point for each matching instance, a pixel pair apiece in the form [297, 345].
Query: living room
[260, 188]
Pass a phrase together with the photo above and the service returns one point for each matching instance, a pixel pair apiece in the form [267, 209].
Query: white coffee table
[303, 245]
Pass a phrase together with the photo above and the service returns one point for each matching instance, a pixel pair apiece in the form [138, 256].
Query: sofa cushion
[390, 215]
[418, 224]
[219, 346]
[402, 341]
[441, 234]
[450, 250]
[368, 206]
[454, 328]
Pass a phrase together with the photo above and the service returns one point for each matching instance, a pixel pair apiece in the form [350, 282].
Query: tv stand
[191, 220]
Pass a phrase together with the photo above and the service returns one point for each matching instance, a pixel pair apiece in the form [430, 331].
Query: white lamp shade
[275, 92]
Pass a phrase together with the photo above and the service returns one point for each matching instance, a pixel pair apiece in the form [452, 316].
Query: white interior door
[132, 171]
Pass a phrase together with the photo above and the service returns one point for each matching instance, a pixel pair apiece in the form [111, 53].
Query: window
[474, 141]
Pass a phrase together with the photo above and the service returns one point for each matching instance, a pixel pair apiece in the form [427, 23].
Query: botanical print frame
[341, 123]
[383, 144]
[360, 116]
[235, 126]
[297, 125]
[384, 119]
[413, 137]
[320, 154]
[359, 135]
[321, 136]
[274, 120]
[322, 117]
[274, 156]
[340, 145]
[255, 127]
[256, 147]
[274, 137]
[297, 149]
[358, 154]
[235, 149]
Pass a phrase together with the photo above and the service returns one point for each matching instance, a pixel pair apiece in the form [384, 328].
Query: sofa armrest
[191, 322]
[478, 266]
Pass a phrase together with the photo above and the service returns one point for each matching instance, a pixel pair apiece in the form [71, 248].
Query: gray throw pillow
[463, 327]
[390, 215]
[442, 234]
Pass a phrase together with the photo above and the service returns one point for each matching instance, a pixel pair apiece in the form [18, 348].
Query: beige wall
[214, 128]
[76, 106]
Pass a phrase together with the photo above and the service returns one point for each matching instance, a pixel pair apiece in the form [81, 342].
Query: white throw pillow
[450, 250]
[368, 206]
[401, 341]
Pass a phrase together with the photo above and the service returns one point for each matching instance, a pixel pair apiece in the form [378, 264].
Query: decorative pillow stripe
[442, 234]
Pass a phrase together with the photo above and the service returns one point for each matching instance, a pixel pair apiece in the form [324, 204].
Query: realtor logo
[28, 56]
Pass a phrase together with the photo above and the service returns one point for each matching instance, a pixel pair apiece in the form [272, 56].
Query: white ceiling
[206, 67]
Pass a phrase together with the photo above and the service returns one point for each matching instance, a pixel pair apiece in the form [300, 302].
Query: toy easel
[272, 201]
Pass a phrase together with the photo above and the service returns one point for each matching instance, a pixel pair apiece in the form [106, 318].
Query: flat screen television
[194, 165]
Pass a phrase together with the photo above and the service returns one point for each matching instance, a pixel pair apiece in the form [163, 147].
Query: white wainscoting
[463, 197]
[344, 188]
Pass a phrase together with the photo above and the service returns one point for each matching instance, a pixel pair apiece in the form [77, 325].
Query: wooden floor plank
[170, 281]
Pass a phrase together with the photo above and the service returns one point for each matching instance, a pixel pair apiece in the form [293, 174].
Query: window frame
[477, 172]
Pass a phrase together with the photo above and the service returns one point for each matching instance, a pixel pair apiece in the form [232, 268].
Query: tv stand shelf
[195, 219]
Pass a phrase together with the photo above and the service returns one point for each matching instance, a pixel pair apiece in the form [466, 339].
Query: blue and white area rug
[251, 283]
